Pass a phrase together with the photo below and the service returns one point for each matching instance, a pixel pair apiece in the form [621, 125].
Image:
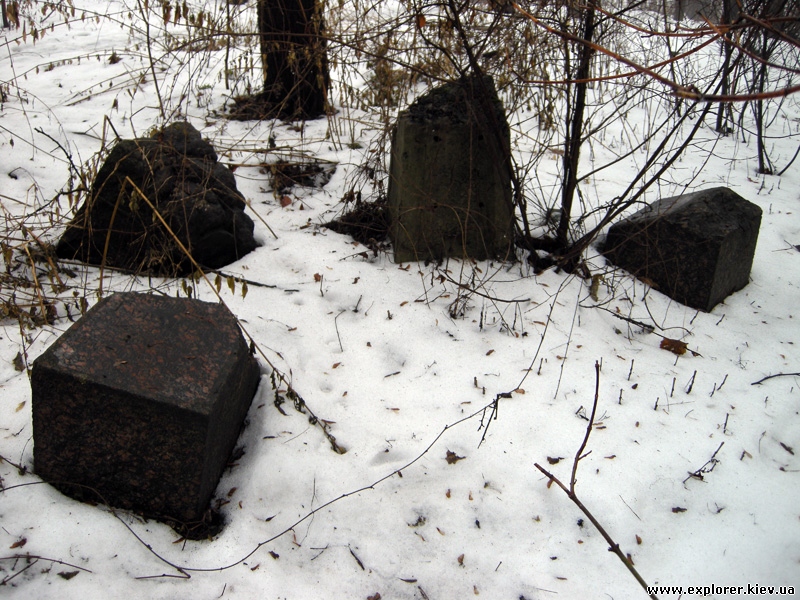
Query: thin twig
[299, 403]
[698, 473]
[186, 570]
[570, 492]
[579, 454]
[763, 379]
[613, 546]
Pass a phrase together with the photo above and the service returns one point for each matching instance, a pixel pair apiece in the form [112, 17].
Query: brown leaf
[421, 21]
[452, 458]
[789, 449]
[285, 201]
[675, 346]
[375, 596]
[461, 560]
[554, 460]
[19, 362]
[19, 543]
[638, 540]
[317, 277]
[67, 574]
[679, 509]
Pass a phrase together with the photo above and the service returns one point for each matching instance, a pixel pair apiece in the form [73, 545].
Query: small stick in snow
[713, 461]
[763, 379]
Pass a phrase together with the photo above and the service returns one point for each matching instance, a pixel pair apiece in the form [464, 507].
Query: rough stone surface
[178, 173]
[139, 404]
[450, 176]
[697, 248]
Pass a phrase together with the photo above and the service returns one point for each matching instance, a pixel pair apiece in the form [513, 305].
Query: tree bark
[293, 57]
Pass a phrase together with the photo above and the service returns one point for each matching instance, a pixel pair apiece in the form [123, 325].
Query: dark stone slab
[696, 248]
[450, 176]
[177, 172]
[139, 404]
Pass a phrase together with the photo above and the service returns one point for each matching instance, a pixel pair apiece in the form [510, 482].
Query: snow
[373, 350]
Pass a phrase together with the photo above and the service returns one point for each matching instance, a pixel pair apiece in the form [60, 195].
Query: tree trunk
[293, 58]
[724, 117]
[574, 133]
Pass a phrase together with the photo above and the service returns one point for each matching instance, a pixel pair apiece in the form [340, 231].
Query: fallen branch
[570, 491]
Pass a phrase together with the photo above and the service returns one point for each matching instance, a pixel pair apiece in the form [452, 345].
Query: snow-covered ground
[374, 351]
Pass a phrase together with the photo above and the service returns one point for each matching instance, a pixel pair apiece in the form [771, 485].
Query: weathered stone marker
[176, 172]
[139, 404]
[450, 176]
[697, 248]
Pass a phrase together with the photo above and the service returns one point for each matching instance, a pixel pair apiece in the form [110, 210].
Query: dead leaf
[554, 460]
[285, 201]
[375, 596]
[317, 277]
[421, 21]
[20, 406]
[452, 458]
[638, 540]
[789, 449]
[675, 346]
[67, 574]
[336, 365]
[461, 560]
[679, 509]
[490, 352]
[19, 362]
[19, 543]
[421, 520]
